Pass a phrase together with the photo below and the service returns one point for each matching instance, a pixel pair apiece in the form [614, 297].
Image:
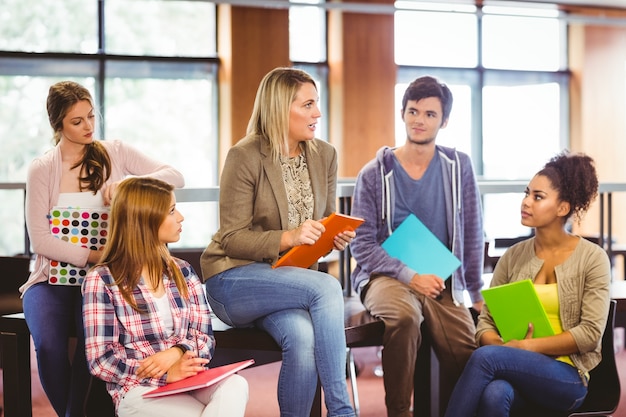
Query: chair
[506, 242]
[98, 402]
[15, 271]
[604, 387]
[489, 263]
[372, 329]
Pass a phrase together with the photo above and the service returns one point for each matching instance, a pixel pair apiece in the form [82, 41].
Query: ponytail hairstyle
[96, 164]
[574, 177]
[139, 207]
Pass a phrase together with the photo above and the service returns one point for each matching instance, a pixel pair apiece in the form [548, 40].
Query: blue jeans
[53, 313]
[499, 379]
[303, 311]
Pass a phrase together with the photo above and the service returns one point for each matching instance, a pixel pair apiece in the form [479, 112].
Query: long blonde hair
[139, 207]
[62, 96]
[270, 114]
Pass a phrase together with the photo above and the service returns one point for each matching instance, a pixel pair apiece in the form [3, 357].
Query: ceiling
[367, 6]
[620, 4]
[615, 4]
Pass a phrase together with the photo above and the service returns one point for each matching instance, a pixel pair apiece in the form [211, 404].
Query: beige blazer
[254, 207]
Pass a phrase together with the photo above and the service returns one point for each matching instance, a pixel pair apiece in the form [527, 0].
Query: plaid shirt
[117, 337]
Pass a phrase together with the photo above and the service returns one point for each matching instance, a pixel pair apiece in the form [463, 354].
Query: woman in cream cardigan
[572, 277]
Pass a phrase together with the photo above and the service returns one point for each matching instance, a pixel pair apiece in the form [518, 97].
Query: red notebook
[200, 380]
[306, 255]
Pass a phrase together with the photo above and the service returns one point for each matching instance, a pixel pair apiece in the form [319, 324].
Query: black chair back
[14, 271]
[604, 386]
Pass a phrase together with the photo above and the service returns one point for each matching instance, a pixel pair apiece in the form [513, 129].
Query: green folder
[415, 245]
[513, 306]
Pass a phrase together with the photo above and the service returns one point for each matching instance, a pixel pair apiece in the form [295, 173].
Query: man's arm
[473, 233]
[366, 246]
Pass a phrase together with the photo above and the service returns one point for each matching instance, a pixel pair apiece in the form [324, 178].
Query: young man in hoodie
[437, 184]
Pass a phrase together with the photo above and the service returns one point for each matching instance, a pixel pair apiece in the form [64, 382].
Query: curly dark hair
[574, 177]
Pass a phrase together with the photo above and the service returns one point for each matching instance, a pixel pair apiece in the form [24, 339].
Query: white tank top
[82, 199]
[165, 313]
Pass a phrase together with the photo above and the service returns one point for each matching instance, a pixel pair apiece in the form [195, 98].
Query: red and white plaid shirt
[117, 337]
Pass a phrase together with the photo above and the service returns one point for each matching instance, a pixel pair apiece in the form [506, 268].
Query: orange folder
[306, 255]
[200, 380]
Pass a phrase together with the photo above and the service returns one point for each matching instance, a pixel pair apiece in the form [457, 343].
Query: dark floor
[263, 379]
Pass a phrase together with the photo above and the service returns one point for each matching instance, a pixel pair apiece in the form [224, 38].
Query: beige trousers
[403, 311]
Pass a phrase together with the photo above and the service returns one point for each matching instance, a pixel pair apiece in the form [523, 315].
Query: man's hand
[478, 306]
[428, 284]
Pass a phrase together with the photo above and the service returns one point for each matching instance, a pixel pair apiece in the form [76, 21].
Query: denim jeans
[303, 311]
[498, 379]
[53, 313]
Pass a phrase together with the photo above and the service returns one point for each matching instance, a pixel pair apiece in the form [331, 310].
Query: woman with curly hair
[572, 277]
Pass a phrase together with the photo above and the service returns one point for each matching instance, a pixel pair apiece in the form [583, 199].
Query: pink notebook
[200, 380]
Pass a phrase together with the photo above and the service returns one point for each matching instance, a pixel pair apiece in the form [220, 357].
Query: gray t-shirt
[424, 197]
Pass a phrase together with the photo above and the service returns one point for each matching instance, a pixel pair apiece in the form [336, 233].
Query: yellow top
[549, 297]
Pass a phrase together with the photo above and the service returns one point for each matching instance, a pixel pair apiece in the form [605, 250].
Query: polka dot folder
[86, 227]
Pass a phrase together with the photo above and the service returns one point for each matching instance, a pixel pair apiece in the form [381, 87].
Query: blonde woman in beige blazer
[277, 184]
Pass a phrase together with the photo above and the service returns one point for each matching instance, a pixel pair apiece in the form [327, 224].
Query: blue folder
[415, 245]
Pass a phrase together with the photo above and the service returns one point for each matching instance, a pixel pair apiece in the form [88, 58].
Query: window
[509, 84]
[307, 50]
[160, 28]
[167, 113]
[307, 32]
[430, 36]
[508, 42]
[153, 80]
[25, 133]
[44, 26]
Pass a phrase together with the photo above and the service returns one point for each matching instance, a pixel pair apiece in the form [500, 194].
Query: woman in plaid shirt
[146, 317]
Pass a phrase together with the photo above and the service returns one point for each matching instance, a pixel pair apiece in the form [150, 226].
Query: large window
[307, 32]
[307, 50]
[509, 83]
[153, 79]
